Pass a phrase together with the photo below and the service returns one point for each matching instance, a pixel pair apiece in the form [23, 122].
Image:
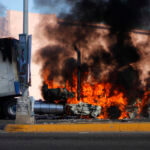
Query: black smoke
[53, 57]
[121, 16]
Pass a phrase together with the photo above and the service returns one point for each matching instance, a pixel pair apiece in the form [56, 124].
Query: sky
[18, 5]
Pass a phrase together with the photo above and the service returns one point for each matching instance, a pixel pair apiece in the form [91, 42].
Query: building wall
[14, 27]
[3, 27]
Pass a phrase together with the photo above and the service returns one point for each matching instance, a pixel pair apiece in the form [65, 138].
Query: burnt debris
[113, 112]
[56, 94]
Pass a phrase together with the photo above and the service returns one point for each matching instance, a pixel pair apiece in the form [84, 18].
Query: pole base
[24, 110]
[23, 119]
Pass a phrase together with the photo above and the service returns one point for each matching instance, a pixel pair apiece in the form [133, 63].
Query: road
[73, 141]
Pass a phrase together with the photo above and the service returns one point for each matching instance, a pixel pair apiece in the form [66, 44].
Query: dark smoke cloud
[98, 60]
[115, 64]
[53, 58]
[119, 14]
[2, 10]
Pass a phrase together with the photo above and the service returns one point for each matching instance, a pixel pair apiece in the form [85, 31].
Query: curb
[81, 127]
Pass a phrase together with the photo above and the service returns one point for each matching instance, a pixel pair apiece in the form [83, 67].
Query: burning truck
[98, 65]
[80, 96]
[91, 73]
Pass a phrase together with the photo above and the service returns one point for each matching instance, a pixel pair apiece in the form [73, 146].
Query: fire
[99, 94]
[50, 83]
[143, 102]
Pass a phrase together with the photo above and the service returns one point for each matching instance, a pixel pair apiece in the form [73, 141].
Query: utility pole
[24, 111]
[78, 71]
[25, 17]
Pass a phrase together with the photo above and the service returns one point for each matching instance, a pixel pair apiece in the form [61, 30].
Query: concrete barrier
[81, 127]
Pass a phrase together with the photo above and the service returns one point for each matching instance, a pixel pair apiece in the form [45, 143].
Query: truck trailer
[9, 76]
[14, 74]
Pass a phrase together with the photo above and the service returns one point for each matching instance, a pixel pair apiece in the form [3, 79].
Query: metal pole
[79, 69]
[24, 114]
[25, 32]
[79, 65]
[25, 17]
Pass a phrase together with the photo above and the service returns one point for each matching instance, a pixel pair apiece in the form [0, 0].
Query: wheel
[9, 109]
[1, 112]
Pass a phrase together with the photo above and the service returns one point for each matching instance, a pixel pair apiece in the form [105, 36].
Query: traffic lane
[72, 141]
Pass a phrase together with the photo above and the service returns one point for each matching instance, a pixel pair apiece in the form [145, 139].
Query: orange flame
[101, 94]
[144, 101]
[50, 83]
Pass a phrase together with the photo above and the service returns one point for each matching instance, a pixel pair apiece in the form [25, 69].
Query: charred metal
[60, 94]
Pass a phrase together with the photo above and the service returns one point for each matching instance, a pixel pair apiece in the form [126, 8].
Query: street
[72, 141]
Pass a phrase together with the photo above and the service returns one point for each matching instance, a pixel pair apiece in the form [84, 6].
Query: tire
[1, 112]
[9, 109]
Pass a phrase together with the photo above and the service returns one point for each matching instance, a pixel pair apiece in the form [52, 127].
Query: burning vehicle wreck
[86, 100]
[95, 63]
[81, 110]
[96, 68]
[53, 95]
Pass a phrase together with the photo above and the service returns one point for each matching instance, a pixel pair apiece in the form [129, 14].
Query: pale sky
[18, 5]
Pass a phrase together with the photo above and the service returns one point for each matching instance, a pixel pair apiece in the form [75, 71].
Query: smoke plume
[106, 55]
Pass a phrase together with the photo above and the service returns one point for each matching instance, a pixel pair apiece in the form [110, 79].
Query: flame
[100, 94]
[143, 102]
[50, 83]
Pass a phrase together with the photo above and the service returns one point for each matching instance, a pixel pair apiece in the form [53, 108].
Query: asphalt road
[75, 141]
